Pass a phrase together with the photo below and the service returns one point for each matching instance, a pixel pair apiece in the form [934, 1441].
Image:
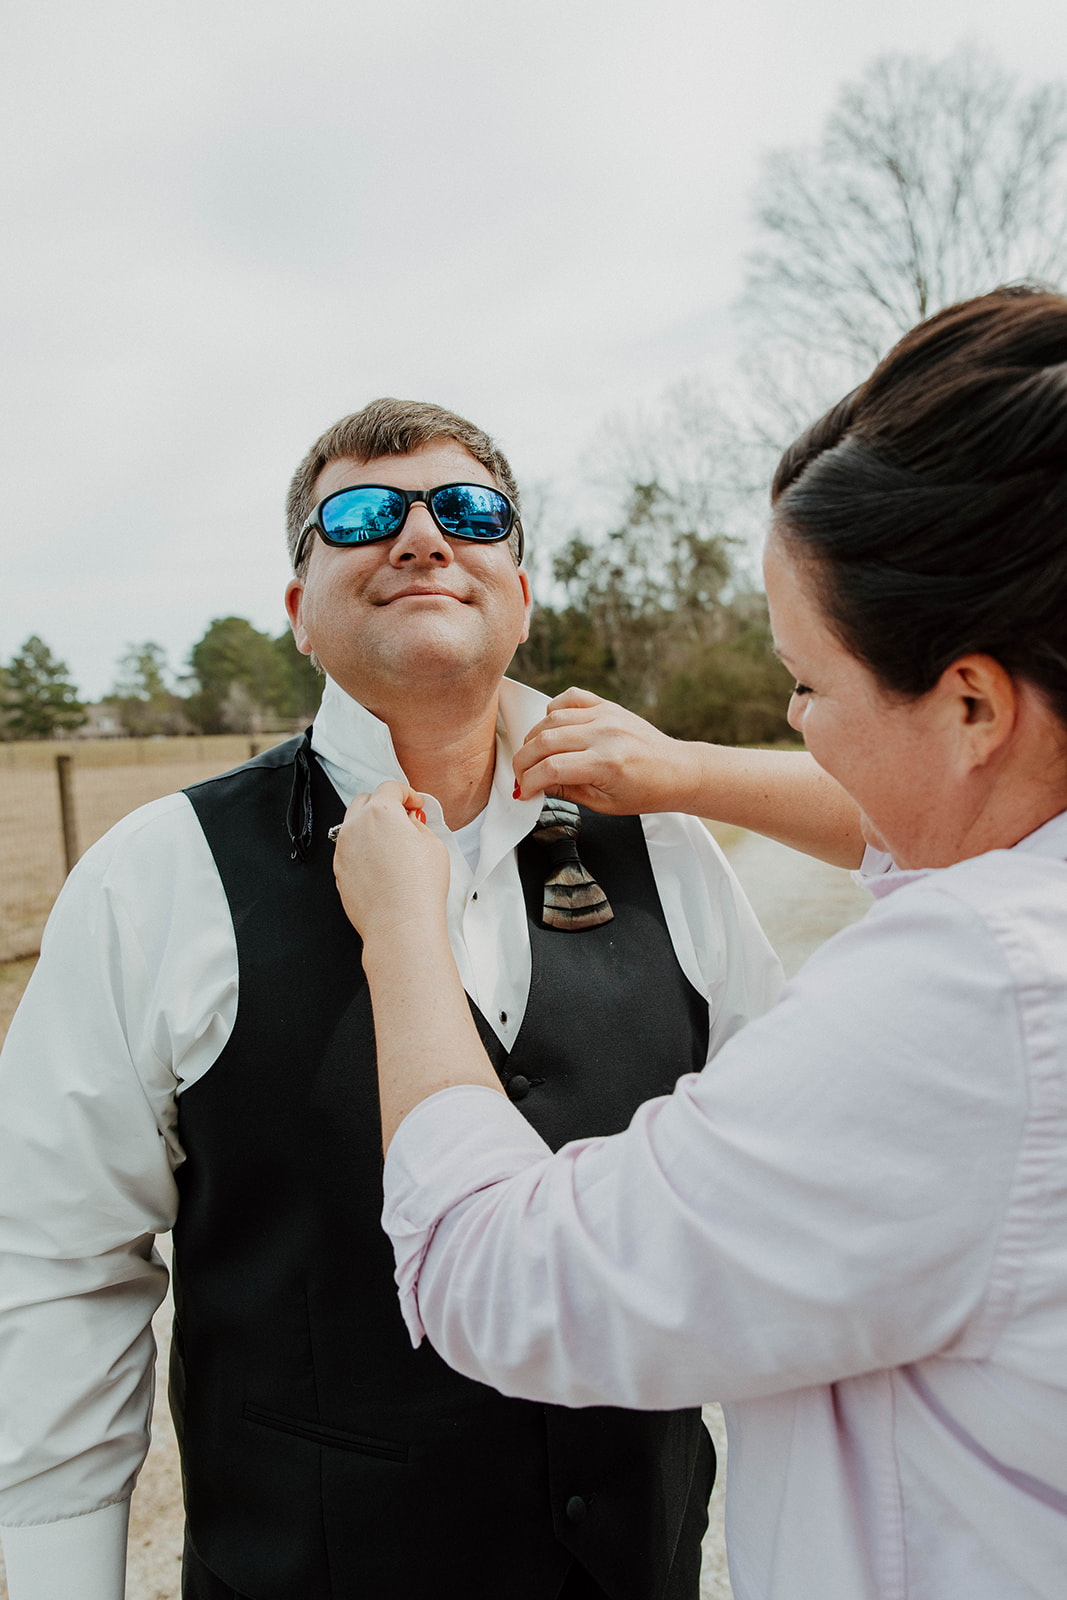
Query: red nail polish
[421, 815]
[516, 793]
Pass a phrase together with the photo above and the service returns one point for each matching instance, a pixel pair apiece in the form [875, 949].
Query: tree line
[240, 680]
[698, 674]
[655, 615]
[933, 181]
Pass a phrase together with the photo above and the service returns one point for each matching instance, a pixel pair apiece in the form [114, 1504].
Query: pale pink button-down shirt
[851, 1229]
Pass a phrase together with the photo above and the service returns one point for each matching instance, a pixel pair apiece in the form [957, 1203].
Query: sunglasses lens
[358, 516]
[470, 512]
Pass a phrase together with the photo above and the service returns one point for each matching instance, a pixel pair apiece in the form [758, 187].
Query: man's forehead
[440, 461]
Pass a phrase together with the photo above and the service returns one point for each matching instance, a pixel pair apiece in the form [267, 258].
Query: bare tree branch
[934, 181]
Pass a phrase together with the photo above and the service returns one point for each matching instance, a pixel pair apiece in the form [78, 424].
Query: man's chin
[428, 667]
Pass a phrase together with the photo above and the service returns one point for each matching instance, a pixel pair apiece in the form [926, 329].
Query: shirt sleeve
[134, 994]
[80, 1558]
[824, 1200]
[717, 938]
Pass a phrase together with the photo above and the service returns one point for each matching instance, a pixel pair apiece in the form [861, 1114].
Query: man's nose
[420, 540]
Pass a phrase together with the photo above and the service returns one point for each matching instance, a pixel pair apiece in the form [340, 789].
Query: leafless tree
[934, 180]
[692, 444]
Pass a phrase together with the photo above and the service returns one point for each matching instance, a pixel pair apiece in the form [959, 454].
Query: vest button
[576, 1508]
[518, 1087]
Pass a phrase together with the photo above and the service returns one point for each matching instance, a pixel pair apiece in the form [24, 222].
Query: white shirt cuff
[80, 1558]
[451, 1145]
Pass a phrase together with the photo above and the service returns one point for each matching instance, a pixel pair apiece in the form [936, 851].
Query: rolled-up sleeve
[469, 1119]
[824, 1199]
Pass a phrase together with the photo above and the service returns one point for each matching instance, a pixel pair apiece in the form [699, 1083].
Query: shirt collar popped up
[356, 750]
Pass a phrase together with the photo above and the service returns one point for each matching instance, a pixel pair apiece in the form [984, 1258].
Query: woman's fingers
[599, 754]
[539, 766]
[568, 775]
[573, 698]
[390, 868]
[389, 798]
[593, 734]
[573, 708]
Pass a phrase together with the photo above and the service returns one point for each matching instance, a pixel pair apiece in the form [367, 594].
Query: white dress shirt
[851, 1228]
[133, 1000]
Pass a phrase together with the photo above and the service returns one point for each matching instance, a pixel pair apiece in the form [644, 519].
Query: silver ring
[334, 831]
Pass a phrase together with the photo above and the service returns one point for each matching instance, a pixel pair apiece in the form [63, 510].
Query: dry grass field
[110, 778]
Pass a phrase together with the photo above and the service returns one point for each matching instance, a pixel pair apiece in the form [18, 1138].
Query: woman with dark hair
[851, 1227]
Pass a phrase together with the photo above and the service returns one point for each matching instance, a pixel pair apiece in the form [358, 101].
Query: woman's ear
[984, 703]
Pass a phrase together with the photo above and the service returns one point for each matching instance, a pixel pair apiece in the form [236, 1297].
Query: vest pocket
[335, 1438]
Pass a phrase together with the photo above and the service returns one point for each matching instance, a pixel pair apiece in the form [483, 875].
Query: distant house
[101, 722]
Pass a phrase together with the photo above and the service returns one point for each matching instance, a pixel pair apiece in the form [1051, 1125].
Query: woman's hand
[597, 754]
[392, 872]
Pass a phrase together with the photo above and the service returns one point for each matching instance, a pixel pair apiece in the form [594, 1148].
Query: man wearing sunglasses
[196, 1050]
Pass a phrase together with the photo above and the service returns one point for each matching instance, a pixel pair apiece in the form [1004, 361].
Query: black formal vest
[323, 1458]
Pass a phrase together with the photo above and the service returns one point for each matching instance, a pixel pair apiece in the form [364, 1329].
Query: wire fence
[58, 799]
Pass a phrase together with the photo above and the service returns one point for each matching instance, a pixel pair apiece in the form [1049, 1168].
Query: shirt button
[518, 1087]
[503, 1016]
[576, 1508]
[474, 896]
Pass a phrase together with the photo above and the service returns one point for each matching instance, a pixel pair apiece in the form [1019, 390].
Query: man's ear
[984, 701]
[528, 598]
[294, 603]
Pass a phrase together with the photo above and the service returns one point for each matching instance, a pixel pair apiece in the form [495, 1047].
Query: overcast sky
[229, 223]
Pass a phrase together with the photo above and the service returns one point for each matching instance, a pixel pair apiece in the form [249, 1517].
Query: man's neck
[451, 758]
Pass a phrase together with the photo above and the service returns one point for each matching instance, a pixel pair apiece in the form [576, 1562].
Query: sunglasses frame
[411, 497]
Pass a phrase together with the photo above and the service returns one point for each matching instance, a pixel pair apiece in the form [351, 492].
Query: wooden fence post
[66, 808]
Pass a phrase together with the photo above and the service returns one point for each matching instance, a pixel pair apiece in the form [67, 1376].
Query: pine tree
[41, 700]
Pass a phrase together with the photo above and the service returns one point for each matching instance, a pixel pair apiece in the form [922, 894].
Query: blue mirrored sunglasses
[373, 511]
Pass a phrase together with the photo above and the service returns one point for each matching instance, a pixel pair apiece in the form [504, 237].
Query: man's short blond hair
[390, 428]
